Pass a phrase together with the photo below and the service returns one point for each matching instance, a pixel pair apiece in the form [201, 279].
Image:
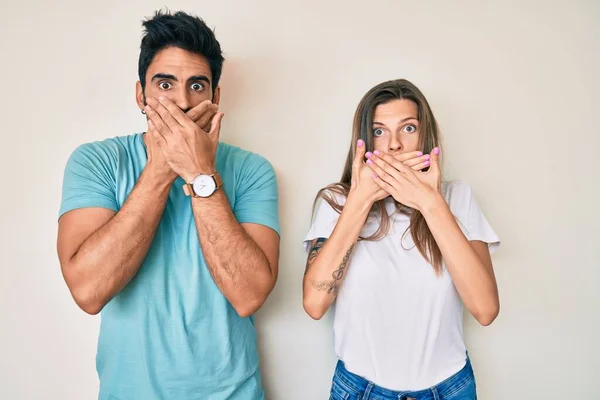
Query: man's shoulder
[241, 160]
[106, 149]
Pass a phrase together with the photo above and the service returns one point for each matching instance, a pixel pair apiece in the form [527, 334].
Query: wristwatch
[203, 185]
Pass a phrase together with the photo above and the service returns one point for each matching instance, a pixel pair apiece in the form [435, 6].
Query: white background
[514, 86]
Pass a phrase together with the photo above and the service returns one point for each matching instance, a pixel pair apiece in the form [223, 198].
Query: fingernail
[427, 162]
[369, 161]
[427, 156]
[419, 153]
[436, 151]
[369, 154]
[377, 152]
[360, 143]
[374, 175]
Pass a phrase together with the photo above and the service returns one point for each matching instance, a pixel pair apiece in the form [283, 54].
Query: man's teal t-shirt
[171, 333]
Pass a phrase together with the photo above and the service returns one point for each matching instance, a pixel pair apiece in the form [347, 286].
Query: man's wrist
[201, 170]
[218, 196]
[157, 179]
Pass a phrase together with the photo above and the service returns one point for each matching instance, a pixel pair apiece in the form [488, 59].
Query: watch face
[204, 185]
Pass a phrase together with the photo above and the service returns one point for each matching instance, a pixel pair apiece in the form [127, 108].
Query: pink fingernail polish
[419, 153]
[360, 143]
[374, 175]
[369, 154]
[377, 152]
[426, 163]
[369, 161]
[427, 156]
[436, 151]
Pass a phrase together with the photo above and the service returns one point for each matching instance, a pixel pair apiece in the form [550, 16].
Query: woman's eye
[410, 128]
[196, 87]
[378, 132]
[164, 85]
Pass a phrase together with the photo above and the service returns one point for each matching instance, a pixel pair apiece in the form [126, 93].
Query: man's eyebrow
[162, 75]
[194, 78]
[199, 78]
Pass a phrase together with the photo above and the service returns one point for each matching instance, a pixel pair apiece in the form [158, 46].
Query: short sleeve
[324, 220]
[472, 221]
[89, 179]
[257, 200]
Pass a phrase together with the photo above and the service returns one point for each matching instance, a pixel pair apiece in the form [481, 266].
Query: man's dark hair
[180, 30]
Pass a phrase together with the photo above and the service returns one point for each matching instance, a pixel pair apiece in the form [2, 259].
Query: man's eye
[164, 85]
[196, 87]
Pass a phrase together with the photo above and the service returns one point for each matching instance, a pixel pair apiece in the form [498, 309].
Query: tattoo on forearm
[317, 246]
[333, 286]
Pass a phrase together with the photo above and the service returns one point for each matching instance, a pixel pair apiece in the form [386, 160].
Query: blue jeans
[348, 386]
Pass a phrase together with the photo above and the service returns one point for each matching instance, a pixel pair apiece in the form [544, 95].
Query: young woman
[399, 251]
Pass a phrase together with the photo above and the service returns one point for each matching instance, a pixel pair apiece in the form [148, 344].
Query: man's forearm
[111, 256]
[237, 264]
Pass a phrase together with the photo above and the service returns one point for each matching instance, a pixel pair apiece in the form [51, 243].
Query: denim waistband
[443, 389]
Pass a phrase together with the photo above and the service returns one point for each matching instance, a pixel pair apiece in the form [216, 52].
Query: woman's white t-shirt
[396, 322]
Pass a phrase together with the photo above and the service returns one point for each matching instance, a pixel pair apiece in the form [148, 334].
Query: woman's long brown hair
[362, 128]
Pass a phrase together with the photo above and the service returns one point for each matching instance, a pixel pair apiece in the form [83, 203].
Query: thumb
[359, 154]
[215, 127]
[434, 160]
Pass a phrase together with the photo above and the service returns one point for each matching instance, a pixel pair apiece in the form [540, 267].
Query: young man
[171, 234]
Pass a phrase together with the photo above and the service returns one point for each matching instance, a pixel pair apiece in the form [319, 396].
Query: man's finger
[196, 112]
[205, 120]
[181, 118]
[155, 134]
[165, 114]
[156, 120]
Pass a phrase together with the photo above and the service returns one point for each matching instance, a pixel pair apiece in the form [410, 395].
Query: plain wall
[513, 84]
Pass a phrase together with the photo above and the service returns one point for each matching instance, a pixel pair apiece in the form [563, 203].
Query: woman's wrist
[433, 204]
[357, 203]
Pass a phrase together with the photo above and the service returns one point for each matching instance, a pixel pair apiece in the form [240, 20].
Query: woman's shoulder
[334, 193]
[456, 185]
[457, 193]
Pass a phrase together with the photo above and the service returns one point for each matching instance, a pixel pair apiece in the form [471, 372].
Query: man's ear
[139, 95]
[217, 95]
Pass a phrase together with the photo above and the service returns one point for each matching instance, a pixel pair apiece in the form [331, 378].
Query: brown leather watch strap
[218, 180]
[188, 189]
